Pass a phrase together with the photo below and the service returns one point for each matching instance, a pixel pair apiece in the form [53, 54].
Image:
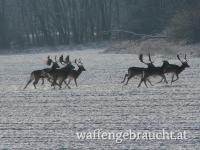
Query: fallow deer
[40, 74]
[74, 74]
[154, 71]
[137, 71]
[175, 70]
[60, 75]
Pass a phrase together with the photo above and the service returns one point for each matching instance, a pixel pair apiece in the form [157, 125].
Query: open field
[49, 119]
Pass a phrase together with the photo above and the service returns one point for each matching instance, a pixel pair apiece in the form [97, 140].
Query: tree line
[26, 23]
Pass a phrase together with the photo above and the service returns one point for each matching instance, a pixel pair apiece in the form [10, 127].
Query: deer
[55, 62]
[74, 74]
[176, 70]
[60, 74]
[40, 74]
[154, 71]
[137, 71]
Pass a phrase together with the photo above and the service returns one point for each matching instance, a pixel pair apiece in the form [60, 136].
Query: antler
[80, 62]
[61, 59]
[55, 58]
[179, 59]
[150, 58]
[75, 61]
[141, 59]
[185, 57]
[61, 56]
[49, 61]
[67, 59]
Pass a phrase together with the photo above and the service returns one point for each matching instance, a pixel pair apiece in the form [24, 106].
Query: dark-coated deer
[40, 74]
[137, 71]
[74, 74]
[60, 75]
[154, 71]
[175, 70]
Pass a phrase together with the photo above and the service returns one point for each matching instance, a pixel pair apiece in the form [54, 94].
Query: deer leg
[35, 82]
[149, 82]
[129, 77]
[61, 81]
[67, 85]
[124, 78]
[65, 82]
[50, 80]
[172, 79]
[60, 84]
[69, 81]
[160, 81]
[42, 81]
[146, 83]
[142, 79]
[28, 83]
[54, 83]
[75, 82]
[177, 77]
[163, 76]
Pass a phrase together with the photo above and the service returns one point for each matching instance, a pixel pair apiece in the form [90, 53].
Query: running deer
[74, 74]
[175, 70]
[138, 71]
[41, 74]
[154, 71]
[60, 74]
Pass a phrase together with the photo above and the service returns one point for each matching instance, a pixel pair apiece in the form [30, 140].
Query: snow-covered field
[49, 119]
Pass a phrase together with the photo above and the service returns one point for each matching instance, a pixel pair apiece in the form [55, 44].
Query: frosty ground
[49, 119]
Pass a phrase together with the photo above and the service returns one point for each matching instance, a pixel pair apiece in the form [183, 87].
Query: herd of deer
[152, 70]
[56, 75]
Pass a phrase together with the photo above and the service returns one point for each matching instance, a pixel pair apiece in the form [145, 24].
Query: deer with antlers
[138, 71]
[74, 74]
[175, 70]
[41, 74]
[154, 71]
[60, 74]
